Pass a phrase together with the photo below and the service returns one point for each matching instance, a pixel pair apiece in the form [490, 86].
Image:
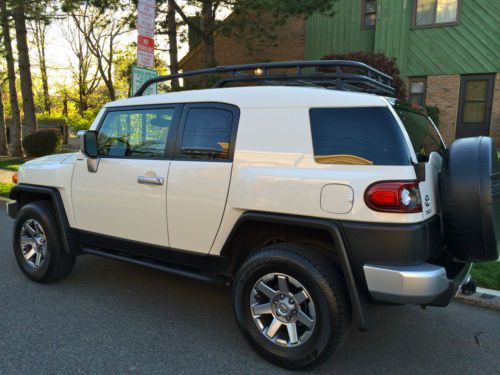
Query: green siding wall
[472, 46]
[338, 34]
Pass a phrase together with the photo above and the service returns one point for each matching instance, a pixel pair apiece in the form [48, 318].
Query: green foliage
[43, 142]
[77, 122]
[5, 188]
[433, 113]
[11, 164]
[487, 274]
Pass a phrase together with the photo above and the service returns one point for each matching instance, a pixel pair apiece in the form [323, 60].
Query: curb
[4, 200]
[483, 299]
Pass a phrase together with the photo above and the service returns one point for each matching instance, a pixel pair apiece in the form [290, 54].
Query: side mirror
[88, 143]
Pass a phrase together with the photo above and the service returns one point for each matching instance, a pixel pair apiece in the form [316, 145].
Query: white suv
[313, 204]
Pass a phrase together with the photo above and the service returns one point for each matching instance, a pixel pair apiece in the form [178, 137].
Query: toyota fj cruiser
[314, 204]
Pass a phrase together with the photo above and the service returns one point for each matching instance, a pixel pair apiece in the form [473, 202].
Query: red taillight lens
[394, 196]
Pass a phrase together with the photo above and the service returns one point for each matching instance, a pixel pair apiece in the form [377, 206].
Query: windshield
[423, 134]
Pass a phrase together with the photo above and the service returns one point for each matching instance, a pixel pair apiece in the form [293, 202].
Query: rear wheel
[37, 244]
[291, 305]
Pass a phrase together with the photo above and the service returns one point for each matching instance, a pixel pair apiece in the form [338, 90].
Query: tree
[39, 28]
[208, 10]
[3, 129]
[84, 73]
[15, 131]
[100, 27]
[171, 24]
[19, 14]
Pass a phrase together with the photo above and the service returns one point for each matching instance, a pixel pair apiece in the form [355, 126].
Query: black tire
[325, 287]
[57, 263]
[469, 187]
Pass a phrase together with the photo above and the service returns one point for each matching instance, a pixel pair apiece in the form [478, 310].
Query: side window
[140, 133]
[363, 136]
[207, 134]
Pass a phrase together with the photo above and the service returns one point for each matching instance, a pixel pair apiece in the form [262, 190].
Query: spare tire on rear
[469, 187]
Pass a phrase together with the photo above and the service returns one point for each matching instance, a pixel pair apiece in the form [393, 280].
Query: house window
[368, 14]
[418, 86]
[435, 12]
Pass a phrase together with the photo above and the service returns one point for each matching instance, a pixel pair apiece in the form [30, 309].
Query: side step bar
[212, 279]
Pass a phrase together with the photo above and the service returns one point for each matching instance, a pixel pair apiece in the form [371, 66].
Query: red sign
[145, 51]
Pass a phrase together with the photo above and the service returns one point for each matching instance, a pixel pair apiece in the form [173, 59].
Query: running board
[212, 279]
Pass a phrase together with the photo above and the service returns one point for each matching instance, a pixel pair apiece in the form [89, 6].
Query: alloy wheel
[283, 310]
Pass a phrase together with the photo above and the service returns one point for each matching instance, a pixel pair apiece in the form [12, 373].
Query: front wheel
[291, 305]
[37, 244]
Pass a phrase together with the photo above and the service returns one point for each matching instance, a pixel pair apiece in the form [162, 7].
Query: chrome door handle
[150, 180]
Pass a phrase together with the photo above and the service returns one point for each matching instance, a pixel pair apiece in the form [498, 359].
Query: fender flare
[70, 243]
[363, 311]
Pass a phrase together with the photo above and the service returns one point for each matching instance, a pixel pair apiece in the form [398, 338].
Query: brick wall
[443, 92]
[495, 113]
[288, 44]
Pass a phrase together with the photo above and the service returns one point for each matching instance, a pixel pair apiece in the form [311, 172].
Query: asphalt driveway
[110, 317]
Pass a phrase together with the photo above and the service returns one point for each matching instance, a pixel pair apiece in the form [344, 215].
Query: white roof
[262, 97]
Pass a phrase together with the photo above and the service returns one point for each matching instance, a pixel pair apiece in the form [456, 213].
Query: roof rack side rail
[358, 74]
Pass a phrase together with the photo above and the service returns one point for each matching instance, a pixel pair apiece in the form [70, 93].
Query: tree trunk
[65, 105]
[207, 26]
[30, 125]
[172, 43]
[3, 130]
[15, 131]
[40, 45]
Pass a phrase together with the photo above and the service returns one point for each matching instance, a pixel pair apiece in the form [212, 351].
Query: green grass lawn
[11, 164]
[5, 188]
[487, 274]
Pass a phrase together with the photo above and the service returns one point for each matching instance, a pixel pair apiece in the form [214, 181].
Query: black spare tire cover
[469, 187]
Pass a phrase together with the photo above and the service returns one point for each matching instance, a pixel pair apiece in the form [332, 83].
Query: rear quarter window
[362, 136]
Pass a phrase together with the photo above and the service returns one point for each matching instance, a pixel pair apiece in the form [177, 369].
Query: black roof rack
[333, 74]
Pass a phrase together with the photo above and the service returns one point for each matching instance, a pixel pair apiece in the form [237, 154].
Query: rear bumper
[423, 284]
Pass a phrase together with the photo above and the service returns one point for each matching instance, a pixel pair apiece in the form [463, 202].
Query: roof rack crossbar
[378, 82]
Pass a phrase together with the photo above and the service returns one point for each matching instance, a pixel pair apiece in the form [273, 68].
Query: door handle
[150, 180]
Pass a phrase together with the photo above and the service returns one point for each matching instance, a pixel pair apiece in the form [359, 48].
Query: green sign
[141, 75]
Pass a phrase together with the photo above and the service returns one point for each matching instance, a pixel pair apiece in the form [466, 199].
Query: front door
[474, 110]
[126, 197]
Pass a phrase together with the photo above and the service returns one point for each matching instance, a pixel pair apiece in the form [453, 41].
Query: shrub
[433, 112]
[378, 61]
[43, 142]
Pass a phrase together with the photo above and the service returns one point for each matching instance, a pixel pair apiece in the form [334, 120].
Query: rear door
[200, 174]
[428, 147]
[474, 110]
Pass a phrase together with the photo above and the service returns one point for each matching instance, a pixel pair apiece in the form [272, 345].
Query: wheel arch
[255, 230]
[26, 193]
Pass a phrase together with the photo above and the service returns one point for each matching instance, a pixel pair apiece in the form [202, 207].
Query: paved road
[110, 317]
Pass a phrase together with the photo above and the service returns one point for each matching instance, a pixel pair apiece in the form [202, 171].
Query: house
[448, 52]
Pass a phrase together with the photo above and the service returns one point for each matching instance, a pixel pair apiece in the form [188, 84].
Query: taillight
[394, 196]
[14, 178]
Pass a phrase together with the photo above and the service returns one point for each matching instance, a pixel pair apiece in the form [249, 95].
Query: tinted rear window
[357, 136]
[423, 134]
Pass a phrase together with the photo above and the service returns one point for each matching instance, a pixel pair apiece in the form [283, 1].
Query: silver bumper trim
[420, 284]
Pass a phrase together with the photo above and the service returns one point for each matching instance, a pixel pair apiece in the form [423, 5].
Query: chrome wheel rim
[283, 310]
[33, 243]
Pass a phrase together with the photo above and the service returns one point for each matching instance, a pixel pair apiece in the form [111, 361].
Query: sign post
[145, 47]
